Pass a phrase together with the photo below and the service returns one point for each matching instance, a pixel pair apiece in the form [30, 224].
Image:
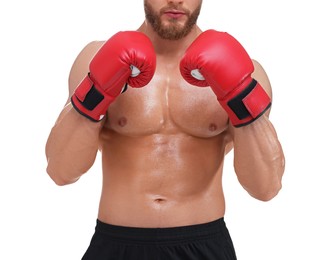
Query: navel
[160, 200]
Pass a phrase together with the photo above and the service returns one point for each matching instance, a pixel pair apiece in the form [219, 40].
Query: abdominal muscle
[161, 180]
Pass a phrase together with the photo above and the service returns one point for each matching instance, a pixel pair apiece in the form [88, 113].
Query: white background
[39, 41]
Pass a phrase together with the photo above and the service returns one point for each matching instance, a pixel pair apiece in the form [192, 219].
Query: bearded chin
[173, 31]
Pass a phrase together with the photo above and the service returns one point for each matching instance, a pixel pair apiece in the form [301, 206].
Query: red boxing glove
[218, 60]
[126, 58]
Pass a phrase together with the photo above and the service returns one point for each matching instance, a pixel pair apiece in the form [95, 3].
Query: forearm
[72, 146]
[258, 158]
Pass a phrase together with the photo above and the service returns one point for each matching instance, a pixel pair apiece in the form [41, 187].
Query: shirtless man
[163, 137]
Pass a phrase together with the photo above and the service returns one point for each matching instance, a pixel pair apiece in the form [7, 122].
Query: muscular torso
[163, 148]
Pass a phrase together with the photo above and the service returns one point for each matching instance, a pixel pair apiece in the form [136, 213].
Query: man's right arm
[97, 78]
[73, 141]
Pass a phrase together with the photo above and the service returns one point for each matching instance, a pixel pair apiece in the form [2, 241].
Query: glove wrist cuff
[248, 105]
[90, 101]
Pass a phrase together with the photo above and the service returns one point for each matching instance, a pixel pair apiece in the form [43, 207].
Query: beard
[174, 31]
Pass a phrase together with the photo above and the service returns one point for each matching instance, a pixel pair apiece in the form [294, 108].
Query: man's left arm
[218, 60]
[258, 156]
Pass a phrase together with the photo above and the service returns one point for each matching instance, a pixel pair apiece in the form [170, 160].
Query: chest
[168, 104]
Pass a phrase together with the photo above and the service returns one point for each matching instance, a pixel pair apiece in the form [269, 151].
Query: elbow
[270, 186]
[268, 193]
[58, 178]
[273, 188]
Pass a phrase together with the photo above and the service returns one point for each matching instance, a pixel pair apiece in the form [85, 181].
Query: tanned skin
[163, 146]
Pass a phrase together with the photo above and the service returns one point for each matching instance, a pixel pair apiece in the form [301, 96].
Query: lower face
[171, 22]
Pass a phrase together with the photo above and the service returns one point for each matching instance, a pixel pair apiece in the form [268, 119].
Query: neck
[169, 47]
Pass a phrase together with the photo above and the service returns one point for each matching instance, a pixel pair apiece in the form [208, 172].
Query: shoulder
[80, 65]
[261, 76]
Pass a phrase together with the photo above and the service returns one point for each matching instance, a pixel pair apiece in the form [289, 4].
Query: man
[164, 105]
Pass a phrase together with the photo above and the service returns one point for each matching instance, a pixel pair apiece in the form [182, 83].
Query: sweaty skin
[163, 146]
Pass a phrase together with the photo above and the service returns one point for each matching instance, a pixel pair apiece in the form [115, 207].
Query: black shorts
[209, 241]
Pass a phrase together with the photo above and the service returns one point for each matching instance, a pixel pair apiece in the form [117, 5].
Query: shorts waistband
[156, 235]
